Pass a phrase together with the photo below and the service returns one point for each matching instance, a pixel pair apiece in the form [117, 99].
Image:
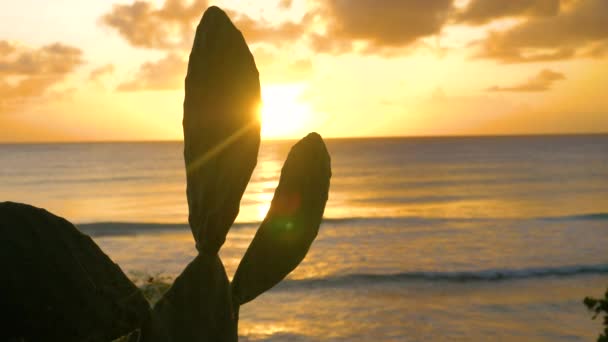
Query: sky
[101, 70]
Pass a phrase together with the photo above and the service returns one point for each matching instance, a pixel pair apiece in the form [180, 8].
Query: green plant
[599, 306]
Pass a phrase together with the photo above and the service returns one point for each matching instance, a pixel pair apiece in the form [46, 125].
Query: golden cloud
[171, 28]
[6, 48]
[578, 31]
[274, 69]
[168, 27]
[101, 71]
[285, 4]
[541, 82]
[260, 31]
[53, 59]
[479, 12]
[381, 25]
[164, 74]
[28, 73]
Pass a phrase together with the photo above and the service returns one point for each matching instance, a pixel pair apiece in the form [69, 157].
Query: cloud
[301, 65]
[285, 4]
[6, 48]
[171, 26]
[275, 69]
[597, 50]
[165, 74]
[297, 71]
[541, 82]
[54, 59]
[101, 71]
[575, 32]
[29, 73]
[261, 31]
[479, 12]
[167, 27]
[380, 25]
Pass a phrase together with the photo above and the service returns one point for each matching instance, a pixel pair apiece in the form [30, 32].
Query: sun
[282, 112]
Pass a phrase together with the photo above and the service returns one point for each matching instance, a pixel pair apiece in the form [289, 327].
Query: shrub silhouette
[599, 306]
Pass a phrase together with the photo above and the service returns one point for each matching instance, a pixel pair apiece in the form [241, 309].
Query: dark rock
[221, 127]
[57, 285]
[292, 222]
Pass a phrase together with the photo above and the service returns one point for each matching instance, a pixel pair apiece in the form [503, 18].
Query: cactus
[221, 142]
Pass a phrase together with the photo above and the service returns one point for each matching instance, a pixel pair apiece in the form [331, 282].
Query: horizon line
[370, 137]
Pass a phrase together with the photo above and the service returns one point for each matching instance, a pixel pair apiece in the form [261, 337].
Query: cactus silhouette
[87, 297]
[221, 142]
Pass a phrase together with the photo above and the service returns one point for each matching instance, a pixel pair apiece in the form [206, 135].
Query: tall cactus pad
[292, 222]
[221, 127]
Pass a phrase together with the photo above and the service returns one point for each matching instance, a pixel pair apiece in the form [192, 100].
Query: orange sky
[76, 70]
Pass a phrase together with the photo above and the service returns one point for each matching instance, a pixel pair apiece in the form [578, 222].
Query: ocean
[450, 239]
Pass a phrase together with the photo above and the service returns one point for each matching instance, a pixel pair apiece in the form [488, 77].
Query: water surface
[424, 238]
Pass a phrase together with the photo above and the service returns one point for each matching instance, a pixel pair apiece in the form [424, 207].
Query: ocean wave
[128, 228]
[414, 219]
[584, 217]
[131, 228]
[134, 228]
[490, 275]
